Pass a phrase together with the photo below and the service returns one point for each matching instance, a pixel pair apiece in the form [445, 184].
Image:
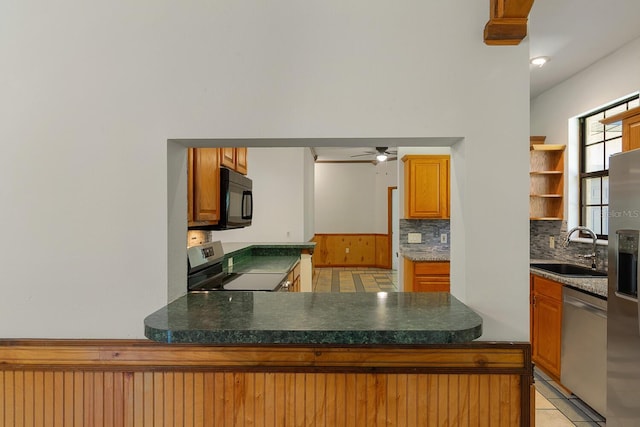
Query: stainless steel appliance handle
[583, 305]
[247, 196]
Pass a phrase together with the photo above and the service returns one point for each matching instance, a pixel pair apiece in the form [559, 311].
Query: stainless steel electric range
[206, 273]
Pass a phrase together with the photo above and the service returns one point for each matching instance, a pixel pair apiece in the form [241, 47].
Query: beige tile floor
[354, 280]
[554, 408]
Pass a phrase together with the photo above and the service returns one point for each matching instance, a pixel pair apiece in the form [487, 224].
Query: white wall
[352, 197]
[278, 198]
[92, 191]
[386, 176]
[554, 113]
[309, 196]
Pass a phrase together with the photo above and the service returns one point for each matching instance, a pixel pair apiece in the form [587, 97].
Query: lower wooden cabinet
[294, 278]
[426, 276]
[546, 324]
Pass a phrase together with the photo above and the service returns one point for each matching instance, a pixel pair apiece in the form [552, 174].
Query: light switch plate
[414, 237]
[443, 238]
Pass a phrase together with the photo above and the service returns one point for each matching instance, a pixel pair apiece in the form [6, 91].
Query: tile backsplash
[540, 231]
[198, 237]
[430, 231]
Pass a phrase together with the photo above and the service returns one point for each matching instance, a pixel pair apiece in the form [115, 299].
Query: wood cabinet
[426, 180]
[546, 171]
[546, 324]
[203, 181]
[241, 160]
[203, 190]
[630, 127]
[294, 278]
[426, 276]
[234, 158]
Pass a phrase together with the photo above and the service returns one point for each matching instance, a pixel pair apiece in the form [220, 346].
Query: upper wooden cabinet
[203, 189]
[426, 180]
[546, 172]
[234, 158]
[241, 160]
[203, 181]
[630, 127]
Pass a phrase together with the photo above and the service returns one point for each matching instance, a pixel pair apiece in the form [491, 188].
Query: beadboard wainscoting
[141, 383]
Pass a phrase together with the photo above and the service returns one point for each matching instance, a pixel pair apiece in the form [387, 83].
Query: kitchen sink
[569, 269]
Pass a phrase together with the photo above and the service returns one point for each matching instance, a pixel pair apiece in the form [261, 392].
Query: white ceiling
[347, 153]
[577, 33]
[573, 33]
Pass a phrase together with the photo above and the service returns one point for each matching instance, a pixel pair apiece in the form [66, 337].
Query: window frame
[601, 174]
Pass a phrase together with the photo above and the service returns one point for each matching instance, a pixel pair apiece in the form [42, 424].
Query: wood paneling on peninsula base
[142, 383]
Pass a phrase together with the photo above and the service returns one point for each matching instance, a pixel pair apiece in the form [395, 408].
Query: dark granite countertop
[595, 285]
[263, 257]
[314, 319]
[432, 254]
[231, 247]
[263, 264]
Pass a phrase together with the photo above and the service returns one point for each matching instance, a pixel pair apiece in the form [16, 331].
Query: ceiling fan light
[381, 157]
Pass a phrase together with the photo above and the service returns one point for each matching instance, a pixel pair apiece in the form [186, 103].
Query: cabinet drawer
[429, 268]
[547, 287]
[431, 284]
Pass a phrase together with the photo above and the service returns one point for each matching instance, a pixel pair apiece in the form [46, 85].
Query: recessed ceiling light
[539, 61]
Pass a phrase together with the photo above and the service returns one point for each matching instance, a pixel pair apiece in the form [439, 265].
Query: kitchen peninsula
[342, 359]
[282, 359]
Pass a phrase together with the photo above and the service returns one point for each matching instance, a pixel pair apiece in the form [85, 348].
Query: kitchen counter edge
[314, 318]
[595, 285]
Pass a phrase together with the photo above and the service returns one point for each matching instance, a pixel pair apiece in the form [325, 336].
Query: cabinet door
[228, 157]
[190, 184]
[631, 133]
[294, 278]
[241, 160]
[427, 187]
[234, 158]
[428, 276]
[431, 284]
[546, 324]
[206, 184]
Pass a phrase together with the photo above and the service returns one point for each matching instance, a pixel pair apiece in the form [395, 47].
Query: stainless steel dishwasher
[583, 354]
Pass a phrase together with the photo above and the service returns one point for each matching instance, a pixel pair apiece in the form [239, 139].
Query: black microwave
[236, 200]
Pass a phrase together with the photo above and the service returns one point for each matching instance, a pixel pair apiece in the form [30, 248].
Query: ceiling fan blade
[365, 154]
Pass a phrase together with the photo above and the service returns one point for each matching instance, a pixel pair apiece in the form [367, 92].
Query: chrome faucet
[592, 255]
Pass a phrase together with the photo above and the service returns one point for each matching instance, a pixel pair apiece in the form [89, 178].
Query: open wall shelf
[546, 171]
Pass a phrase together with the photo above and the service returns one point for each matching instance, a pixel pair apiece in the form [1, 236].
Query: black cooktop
[253, 282]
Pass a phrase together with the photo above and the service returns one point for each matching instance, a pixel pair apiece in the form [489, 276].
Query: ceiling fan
[381, 153]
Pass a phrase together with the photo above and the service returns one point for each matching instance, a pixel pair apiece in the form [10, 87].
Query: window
[597, 143]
